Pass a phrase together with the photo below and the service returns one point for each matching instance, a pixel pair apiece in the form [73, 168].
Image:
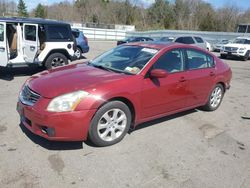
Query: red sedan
[121, 88]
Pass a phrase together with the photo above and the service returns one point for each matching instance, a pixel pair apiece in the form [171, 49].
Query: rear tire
[56, 60]
[215, 98]
[246, 57]
[110, 124]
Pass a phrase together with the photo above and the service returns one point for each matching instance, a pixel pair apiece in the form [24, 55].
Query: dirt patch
[56, 163]
[3, 128]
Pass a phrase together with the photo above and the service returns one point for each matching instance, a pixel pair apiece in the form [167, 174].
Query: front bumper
[230, 53]
[66, 126]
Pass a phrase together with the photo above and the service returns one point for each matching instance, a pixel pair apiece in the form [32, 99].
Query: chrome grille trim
[28, 97]
[231, 49]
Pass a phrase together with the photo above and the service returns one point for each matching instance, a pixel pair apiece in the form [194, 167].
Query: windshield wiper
[108, 68]
[101, 67]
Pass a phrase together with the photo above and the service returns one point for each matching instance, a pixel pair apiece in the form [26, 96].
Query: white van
[26, 41]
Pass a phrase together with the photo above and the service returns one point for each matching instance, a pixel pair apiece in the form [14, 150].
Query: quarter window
[199, 40]
[198, 60]
[30, 32]
[171, 61]
[185, 40]
[59, 32]
[1, 32]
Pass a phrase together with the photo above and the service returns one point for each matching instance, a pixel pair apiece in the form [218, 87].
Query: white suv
[240, 47]
[35, 41]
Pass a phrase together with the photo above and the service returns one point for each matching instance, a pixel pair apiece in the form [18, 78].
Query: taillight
[86, 39]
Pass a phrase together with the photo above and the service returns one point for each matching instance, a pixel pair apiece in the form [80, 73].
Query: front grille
[28, 97]
[231, 49]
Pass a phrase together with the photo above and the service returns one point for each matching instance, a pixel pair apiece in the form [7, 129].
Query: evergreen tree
[22, 9]
[40, 11]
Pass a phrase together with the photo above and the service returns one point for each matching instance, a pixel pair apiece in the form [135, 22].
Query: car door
[167, 94]
[3, 45]
[30, 44]
[200, 75]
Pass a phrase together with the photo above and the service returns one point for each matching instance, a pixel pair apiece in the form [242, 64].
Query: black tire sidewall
[93, 134]
[48, 62]
[246, 57]
[208, 106]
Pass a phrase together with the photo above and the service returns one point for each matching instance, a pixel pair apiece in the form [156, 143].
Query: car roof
[30, 20]
[248, 38]
[161, 45]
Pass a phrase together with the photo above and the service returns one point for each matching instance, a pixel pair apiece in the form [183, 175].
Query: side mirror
[158, 73]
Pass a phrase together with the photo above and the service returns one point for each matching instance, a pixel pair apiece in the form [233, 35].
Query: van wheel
[56, 60]
[110, 124]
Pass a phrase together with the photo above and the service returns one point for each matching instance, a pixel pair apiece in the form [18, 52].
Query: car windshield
[130, 39]
[242, 41]
[125, 59]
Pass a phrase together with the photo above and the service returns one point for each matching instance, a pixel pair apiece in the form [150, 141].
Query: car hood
[71, 78]
[235, 45]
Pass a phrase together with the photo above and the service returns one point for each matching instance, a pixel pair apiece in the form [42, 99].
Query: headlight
[242, 49]
[67, 102]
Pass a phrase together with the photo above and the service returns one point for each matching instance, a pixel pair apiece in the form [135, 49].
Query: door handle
[2, 49]
[32, 48]
[182, 79]
[212, 73]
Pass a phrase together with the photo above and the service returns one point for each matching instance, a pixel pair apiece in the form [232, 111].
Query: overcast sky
[243, 4]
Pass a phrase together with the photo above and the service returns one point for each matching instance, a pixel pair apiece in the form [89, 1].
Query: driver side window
[171, 61]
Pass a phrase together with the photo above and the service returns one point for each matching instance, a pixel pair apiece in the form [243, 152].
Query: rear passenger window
[185, 40]
[198, 60]
[199, 40]
[59, 32]
[171, 61]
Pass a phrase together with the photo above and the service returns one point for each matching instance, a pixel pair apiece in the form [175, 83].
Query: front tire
[110, 124]
[223, 56]
[215, 98]
[246, 57]
[56, 60]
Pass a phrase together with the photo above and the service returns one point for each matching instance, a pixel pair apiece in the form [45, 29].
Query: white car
[26, 41]
[192, 40]
[240, 47]
[209, 46]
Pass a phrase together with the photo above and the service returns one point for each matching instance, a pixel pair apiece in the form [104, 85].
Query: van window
[185, 40]
[59, 32]
[30, 32]
[199, 40]
[1, 32]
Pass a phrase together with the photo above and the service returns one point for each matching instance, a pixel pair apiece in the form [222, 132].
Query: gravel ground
[190, 149]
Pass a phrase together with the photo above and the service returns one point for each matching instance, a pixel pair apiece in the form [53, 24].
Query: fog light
[48, 130]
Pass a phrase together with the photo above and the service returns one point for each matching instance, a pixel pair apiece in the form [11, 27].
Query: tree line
[162, 14]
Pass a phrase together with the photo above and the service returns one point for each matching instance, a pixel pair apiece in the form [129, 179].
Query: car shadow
[160, 120]
[51, 145]
[9, 73]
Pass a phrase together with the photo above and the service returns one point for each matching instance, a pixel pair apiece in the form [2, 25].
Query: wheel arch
[62, 51]
[223, 85]
[129, 104]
